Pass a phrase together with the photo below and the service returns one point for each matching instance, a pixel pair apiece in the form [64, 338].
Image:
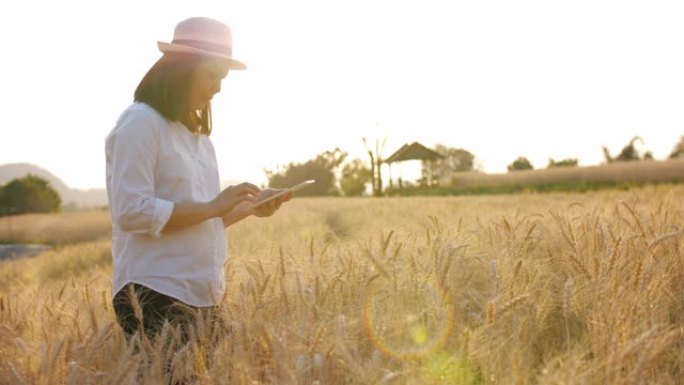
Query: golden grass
[59, 228]
[520, 289]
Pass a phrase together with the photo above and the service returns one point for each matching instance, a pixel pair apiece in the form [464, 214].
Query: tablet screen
[278, 195]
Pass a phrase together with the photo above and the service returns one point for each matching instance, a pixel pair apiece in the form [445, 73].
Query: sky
[501, 78]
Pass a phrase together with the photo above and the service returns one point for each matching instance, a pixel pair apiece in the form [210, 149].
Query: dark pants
[141, 309]
[143, 312]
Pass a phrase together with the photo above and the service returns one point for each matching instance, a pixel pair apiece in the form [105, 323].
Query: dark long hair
[166, 86]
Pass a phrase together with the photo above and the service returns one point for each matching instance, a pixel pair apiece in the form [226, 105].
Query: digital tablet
[291, 189]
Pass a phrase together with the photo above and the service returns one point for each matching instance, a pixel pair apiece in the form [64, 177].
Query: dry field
[520, 289]
[56, 229]
[629, 172]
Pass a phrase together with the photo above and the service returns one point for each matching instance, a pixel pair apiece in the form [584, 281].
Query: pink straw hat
[203, 36]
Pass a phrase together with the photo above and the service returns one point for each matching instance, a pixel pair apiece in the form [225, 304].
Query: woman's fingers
[246, 192]
[233, 195]
[268, 208]
[286, 197]
[248, 188]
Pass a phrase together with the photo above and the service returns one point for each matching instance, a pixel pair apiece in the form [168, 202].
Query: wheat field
[510, 289]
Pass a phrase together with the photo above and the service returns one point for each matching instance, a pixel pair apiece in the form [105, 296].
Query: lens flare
[407, 320]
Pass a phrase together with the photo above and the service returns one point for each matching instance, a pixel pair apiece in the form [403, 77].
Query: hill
[70, 197]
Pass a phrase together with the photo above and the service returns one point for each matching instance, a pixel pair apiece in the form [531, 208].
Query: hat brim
[170, 47]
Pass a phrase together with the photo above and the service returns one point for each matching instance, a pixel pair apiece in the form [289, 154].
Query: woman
[168, 211]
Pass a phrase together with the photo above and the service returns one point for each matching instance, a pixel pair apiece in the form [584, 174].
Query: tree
[376, 165]
[678, 150]
[29, 194]
[521, 163]
[355, 176]
[567, 162]
[628, 153]
[455, 160]
[323, 169]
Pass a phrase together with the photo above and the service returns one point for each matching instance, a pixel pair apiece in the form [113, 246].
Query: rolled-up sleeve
[131, 151]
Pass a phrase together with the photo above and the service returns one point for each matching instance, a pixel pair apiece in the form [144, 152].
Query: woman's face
[206, 82]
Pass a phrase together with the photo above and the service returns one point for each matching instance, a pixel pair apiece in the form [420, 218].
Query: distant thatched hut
[414, 151]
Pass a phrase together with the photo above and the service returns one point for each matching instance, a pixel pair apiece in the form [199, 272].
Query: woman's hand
[186, 214]
[245, 209]
[267, 209]
[232, 196]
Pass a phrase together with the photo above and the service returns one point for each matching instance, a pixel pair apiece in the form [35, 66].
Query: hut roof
[413, 151]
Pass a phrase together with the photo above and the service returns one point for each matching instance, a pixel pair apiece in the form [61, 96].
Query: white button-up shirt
[152, 163]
